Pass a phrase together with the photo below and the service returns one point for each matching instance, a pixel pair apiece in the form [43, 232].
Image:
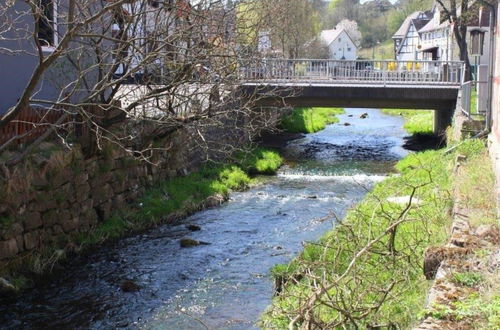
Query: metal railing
[356, 72]
[465, 98]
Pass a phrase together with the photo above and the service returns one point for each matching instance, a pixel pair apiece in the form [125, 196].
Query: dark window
[46, 26]
[477, 42]
[154, 4]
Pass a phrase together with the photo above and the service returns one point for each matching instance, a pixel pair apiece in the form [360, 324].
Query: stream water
[224, 285]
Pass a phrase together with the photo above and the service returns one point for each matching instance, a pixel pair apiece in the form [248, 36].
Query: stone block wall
[48, 198]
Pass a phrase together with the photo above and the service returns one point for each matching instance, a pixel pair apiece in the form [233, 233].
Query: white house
[428, 36]
[407, 38]
[340, 44]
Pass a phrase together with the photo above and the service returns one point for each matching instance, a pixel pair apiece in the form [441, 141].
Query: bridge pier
[442, 119]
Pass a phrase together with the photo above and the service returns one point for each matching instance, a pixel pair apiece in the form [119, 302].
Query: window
[477, 42]
[340, 39]
[348, 49]
[154, 4]
[47, 24]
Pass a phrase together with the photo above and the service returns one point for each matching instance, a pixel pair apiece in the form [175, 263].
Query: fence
[465, 99]
[359, 71]
[28, 125]
[32, 122]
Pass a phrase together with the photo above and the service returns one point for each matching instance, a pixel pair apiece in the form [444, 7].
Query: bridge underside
[442, 99]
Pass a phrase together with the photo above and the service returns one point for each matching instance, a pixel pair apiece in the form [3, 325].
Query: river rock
[188, 242]
[347, 124]
[129, 286]
[364, 116]
[350, 116]
[193, 227]
[6, 287]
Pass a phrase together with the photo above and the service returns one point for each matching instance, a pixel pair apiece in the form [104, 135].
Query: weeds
[260, 161]
[416, 121]
[310, 120]
[470, 279]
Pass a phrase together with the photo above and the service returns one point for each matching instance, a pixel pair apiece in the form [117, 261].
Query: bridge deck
[376, 73]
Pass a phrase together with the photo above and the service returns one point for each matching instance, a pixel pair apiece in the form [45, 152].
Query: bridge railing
[359, 71]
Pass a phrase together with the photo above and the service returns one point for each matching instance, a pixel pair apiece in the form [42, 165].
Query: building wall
[343, 47]
[408, 50]
[17, 65]
[494, 138]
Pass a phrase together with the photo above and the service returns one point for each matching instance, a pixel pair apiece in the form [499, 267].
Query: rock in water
[129, 286]
[188, 242]
[347, 124]
[193, 227]
[350, 116]
[6, 287]
[364, 116]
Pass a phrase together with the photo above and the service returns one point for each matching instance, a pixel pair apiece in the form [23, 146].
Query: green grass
[416, 121]
[357, 298]
[383, 51]
[483, 311]
[310, 120]
[185, 194]
[260, 161]
[470, 279]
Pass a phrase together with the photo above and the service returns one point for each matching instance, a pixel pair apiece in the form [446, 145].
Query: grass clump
[478, 311]
[475, 183]
[416, 121]
[368, 270]
[260, 161]
[470, 279]
[310, 120]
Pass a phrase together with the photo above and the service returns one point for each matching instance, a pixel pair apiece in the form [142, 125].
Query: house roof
[419, 19]
[329, 36]
[403, 29]
[433, 25]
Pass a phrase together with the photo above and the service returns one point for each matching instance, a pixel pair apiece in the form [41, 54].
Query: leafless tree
[125, 71]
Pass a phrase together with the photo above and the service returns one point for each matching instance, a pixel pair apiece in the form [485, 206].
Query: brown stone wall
[57, 193]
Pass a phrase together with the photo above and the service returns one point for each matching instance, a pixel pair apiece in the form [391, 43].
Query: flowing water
[224, 285]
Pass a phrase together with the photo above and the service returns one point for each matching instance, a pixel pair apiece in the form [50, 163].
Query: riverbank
[466, 291]
[310, 120]
[165, 202]
[371, 262]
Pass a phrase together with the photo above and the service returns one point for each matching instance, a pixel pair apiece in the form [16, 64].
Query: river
[224, 285]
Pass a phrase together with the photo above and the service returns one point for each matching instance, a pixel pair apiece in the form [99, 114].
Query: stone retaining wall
[57, 193]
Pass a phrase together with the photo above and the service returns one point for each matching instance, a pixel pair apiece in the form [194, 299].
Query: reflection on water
[225, 285]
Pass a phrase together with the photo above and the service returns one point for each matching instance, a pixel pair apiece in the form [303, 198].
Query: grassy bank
[165, 202]
[468, 296]
[416, 121]
[310, 120]
[181, 196]
[367, 272]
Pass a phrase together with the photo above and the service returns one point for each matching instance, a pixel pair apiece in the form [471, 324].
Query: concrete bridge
[432, 85]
